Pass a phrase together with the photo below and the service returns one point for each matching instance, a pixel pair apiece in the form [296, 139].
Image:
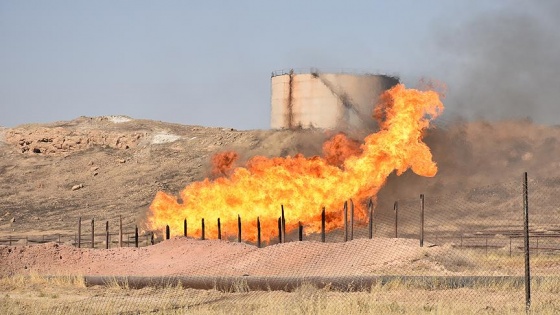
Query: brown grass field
[68, 295]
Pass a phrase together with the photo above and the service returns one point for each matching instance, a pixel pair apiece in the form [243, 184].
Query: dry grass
[34, 280]
[466, 261]
[68, 295]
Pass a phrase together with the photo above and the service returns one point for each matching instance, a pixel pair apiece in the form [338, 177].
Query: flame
[339, 148]
[303, 185]
[223, 163]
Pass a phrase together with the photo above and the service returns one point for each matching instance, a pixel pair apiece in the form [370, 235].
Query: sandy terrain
[181, 256]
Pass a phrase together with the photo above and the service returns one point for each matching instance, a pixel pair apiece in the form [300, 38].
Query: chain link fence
[471, 262]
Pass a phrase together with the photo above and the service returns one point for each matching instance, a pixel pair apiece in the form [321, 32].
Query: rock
[60, 140]
[95, 168]
[121, 160]
[76, 187]
[95, 173]
[13, 220]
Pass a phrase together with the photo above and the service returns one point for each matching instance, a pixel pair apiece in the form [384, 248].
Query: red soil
[186, 257]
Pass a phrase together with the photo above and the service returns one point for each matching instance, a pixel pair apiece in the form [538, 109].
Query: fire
[339, 148]
[304, 185]
[223, 163]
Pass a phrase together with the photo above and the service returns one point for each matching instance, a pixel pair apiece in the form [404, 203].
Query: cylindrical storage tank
[325, 100]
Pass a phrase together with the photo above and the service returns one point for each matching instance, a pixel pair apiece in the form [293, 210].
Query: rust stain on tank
[324, 100]
[290, 101]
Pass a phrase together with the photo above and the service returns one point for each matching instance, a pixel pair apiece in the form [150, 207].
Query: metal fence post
[345, 215]
[526, 242]
[79, 232]
[280, 230]
[92, 233]
[351, 219]
[239, 228]
[219, 229]
[120, 231]
[323, 223]
[422, 220]
[107, 235]
[396, 208]
[258, 232]
[202, 236]
[136, 236]
[283, 225]
[370, 227]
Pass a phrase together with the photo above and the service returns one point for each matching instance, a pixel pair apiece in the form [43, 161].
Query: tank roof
[316, 71]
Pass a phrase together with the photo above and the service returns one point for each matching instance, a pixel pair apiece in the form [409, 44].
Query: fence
[481, 267]
[85, 241]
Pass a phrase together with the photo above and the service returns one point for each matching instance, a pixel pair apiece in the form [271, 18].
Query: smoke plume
[504, 64]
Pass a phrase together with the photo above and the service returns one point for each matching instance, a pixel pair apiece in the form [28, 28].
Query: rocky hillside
[103, 167]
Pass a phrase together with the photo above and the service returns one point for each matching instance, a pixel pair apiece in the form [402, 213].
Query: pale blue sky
[209, 62]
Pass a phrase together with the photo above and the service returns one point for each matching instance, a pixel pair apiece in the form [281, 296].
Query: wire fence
[471, 262]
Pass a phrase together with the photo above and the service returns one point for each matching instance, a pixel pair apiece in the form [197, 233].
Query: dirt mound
[181, 256]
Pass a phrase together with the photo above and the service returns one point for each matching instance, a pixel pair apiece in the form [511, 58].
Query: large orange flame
[305, 185]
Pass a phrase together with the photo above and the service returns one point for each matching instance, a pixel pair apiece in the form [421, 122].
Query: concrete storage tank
[325, 100]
